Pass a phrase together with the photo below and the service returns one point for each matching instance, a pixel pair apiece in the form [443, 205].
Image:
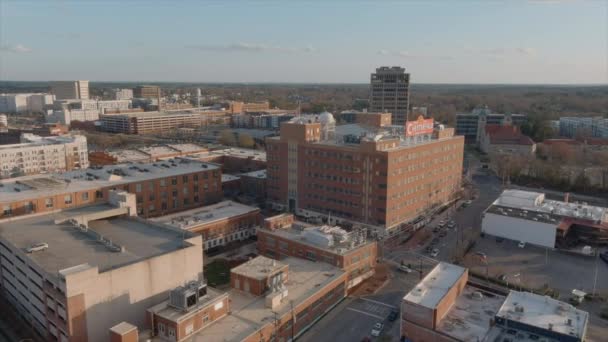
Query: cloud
[19, 48]
[252, 47]
[407, 54]
[497, 52]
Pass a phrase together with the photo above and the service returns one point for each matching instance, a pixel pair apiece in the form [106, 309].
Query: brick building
[143, 154]
[374, 119]
[381, 177]
[219, 223]
[234, 160]
[160, 188]
[280, 237]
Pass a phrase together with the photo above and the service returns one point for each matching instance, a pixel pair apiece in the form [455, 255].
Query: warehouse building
[446, 307]
[530, 217]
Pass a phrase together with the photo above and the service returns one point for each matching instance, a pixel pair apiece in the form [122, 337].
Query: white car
[405, 269]
[377, 329]
[521, 244]
[435, 252]
[37, 247]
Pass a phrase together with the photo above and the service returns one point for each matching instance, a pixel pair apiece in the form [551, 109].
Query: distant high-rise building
[146, 91]
[70, 90]
[390, 92]
[122, 94]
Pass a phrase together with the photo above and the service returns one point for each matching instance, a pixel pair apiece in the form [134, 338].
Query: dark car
[499, 239]
[443, 233]
[393, 315]
[436, 229]
[604, 256]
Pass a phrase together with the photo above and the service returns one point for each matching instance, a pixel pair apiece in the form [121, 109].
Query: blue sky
[451, 41]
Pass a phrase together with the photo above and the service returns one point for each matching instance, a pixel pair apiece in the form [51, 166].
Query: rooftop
[534, 206]
[229, 178]
[249, 313]
[232, 152]
[328, 238]
[172, 314]
[159, 150]
[70, 246]
[124, 156]
[37, 186]
[205, 215]
[255, 174]
[32, 140]
[469, 317]
[544, 312]
[435, 285]
[259, 267]
[172, 113]
[186, 148]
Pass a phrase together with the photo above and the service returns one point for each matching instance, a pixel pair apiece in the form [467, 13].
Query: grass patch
[217, 273]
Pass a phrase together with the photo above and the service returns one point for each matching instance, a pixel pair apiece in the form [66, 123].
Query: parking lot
[534, 266]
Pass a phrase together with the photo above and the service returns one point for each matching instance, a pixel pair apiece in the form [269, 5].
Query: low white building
[530, 217]
[67, 111]
[122, 94]
[25, 103]
[37, 154]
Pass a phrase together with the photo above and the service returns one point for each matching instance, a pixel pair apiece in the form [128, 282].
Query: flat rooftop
[259, 267]
[172, 314]
[37, 141]
[226, 177]
[542, 311]
[187, 147]
[469, 317]
[351, 241]
[37, 186]
[124, 156]
[261, 174]
[249, 313]
[435, 285]
[534, 206]
[158, 150]
[232, 152]
[69, 246]
[206, 215]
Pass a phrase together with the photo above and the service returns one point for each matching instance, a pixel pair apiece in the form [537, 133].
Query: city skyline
[519, 42]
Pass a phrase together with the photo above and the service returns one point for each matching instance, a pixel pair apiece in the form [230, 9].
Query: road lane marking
[365, 313]
[377, 302]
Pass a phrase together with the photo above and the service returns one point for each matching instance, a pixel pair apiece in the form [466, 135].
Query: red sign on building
[420, 126]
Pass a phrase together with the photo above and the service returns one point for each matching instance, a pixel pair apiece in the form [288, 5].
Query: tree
[245, 140]
[227, 138]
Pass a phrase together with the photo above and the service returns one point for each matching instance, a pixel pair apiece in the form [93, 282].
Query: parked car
[393, 315]
[434, 241]
[436, 229]
[441, 224]
[37, 247]
[481, 254]
[405, 269]
[521, 244]
[377, 329]
[435, 252]
[499, 239]
[502, 277]
[604, 256]
[443, 233]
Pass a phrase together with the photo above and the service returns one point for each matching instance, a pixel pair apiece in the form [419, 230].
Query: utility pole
[595, 275]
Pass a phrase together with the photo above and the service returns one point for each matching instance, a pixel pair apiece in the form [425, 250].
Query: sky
[451, 41]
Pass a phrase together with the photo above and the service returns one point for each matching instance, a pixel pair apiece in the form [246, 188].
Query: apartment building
[219, 224]
[122, 94]
[446, 307]
[154, 122]
[381, 177]
[98, 266]
[25, 103]
[236, 107]
[390, 92]
[572, 127]
[146, 91]
[160, 188]
[472, 125]
[70, 90]
[36, 154]
[281, 237]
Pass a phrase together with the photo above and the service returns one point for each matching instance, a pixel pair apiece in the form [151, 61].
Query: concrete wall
[536, 233]
[124, 294]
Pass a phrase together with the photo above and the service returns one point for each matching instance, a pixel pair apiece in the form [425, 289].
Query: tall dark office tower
[390, 92]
